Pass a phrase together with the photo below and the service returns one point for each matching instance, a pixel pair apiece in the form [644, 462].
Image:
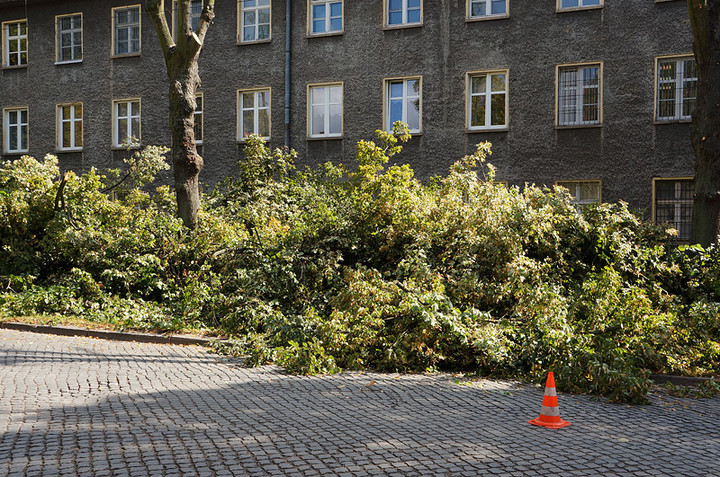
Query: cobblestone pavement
[81, 406]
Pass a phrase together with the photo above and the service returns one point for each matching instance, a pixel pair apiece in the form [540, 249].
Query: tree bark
[705, 129]
[181, 61]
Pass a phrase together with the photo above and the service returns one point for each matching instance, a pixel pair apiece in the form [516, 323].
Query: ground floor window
[673, 203]
[582, 192]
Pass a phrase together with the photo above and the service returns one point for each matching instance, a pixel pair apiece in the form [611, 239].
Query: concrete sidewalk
[82, 406]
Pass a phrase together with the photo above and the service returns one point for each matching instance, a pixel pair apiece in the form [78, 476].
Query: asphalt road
[90, 407]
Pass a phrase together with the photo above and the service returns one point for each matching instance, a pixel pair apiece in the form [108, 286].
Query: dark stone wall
[626, 152]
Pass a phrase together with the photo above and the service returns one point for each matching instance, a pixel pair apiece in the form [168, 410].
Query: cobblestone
[81, 406]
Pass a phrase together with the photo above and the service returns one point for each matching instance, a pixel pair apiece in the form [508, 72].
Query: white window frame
[73, 123]
[20, 126]
[678, 83]
[404, 9]
[405, 98]
[199, 114]
[577, 93]
[129, 26]
[256, 113]
[582, 5]
[194, 17]
[327, 19]
[325, 106]
[487, 126]
[7, 39]
[678, 203]
[487, 15]
[59, 32]
[241, 21]
[576, 191]
[120, 138]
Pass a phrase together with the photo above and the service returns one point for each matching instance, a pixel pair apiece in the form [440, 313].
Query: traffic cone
[550, 413]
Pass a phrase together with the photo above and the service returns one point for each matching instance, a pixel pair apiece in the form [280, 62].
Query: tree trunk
[181, 61]
[705, 129]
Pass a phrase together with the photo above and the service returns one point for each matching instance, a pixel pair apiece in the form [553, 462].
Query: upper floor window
[403, 12]
[325, 110]
[69, 38]
[579, 95]
[69, 127]
[676, 88]
[198, 119]
[15, 122]
[487, 100]
[126, 30]
[254, 20]
[195, 13]
[403, 103]
[15, 43]
[578, 4]
[326, 16]
[582, 192]
[673, 204]
[483, 9]
[126, 123]
[254, 113]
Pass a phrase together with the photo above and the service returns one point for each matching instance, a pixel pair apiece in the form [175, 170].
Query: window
[69, 127]
[15, 42]
[325, 110]
[487, 9]
[579, 95]
[16, 130]
[126, 123]
[126, 31]
[487, 100]
[253, 113]
[69, 38]
[326, 16]
[254, 20]
[582, 192]
[198, 117]
[672, 204]
[402, 103]
[195, 12]
[578, 4]
[403, 12]
[676, 88]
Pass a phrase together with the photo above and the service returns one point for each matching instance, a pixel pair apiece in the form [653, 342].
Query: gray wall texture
[625, 153]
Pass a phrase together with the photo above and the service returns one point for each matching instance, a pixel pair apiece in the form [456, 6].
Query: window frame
[173, 14]
[387, 124]
[6, 39]
[478, 18]
[576, 124]
[326, 110]
[240, 25]
[239, 132]
[468, 101]
[59, 129]
[19, 125]
[655, 180]
[310, 19]
[677, 118]
[114, 28]
[576, 201]
[58, 39]
[560, 9]
[116, 144]
[201, 96]
[404, 24]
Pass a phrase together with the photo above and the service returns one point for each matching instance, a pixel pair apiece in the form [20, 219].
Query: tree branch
[156, 11]
[206, 18]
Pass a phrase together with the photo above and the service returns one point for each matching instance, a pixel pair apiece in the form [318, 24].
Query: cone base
[549, 425]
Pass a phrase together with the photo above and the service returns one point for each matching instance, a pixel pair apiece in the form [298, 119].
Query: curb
[678, 380]
[110, 335]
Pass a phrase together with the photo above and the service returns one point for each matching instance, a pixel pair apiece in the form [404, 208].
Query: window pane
[264, 99]
[318, 26]
[414, 16]
[498, 7]
[336, 9]
[396, 89]
[395, 18]
[318, 11]
[317, 120]
[248, 122]
[335, 118]
[263, 32]
[413, 115]
[477, 111]
[317, 95]
[78, 134]
[264, 120]
[248, 100]
[335, 94]
[477, 9]
[498, 110]
[477, 84]
[498, 82]
[569, 3]
[395, 111]
[336, 24]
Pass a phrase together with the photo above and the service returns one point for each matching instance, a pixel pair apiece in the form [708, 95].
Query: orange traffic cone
[550, 413]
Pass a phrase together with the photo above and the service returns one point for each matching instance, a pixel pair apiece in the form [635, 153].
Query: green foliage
[366, 267]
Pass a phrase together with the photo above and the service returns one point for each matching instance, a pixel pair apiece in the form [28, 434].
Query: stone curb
[110, 335]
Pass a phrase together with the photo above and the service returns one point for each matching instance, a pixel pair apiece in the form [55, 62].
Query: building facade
[595, 95]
